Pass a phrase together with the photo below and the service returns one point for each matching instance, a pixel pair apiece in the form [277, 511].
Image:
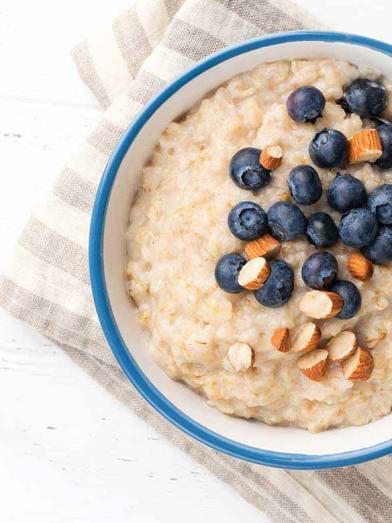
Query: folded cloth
[47, 282]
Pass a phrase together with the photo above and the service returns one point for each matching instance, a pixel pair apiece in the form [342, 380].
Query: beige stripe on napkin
[47, 284]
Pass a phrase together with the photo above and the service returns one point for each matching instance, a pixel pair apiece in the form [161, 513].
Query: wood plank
[69, 452]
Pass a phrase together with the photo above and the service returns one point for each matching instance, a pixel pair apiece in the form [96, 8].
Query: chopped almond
[281, 340]
[271, 157]
[360, 267]
[254, 273]
[359, 366]
[321, 305]
[240, 356]
[307, 337]
[266, 246]
[364, 146]
[342, 346]
[314, 364]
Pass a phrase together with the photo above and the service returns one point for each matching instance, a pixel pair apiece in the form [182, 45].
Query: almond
[342, 346]
[364, 146]
[254, 273]
[314, 364]
[360, 267]
[306, 338]
[266, 246]
[281, 340]
[359, 366]
[271, 157]
[240, 356]
[321, 305]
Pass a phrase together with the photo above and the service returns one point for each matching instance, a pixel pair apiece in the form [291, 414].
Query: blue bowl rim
[101, 298]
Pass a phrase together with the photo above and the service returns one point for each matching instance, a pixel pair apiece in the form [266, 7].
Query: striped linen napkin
[47, 282]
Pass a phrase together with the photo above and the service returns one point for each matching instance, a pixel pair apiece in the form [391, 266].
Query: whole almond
[321, 305]
[360, 267]
[306, 338]
[364, 146]
[314, 364]
[359, 366]
[254, 273]
[271, 157]
[281, 339]
[266, 246]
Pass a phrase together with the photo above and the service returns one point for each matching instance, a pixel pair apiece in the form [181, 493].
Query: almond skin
[266, 246]
[281, 340]
[364, 146]
[359, 366]
[271, 157]
[314, 364]
[321, 305]
[306, 338]
[254, 273]
[342, 346]
[360, 267]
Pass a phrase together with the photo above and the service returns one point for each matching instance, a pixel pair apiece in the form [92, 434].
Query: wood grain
[69, 452]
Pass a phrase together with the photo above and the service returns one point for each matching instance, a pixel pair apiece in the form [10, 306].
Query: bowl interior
[178, 100]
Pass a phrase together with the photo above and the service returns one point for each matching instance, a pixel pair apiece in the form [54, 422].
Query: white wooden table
[69, 452]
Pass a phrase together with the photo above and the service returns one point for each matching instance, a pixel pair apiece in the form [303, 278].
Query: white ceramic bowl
[257, 442]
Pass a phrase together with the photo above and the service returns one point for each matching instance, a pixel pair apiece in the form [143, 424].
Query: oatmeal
[236, 350]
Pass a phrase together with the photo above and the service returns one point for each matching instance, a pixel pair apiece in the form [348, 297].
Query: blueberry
[305, 104]
[346, 192]
[226, 272]
[377, 122]
[358, 228]
[304, 184]
[385, 133]
[351, 298]
[277, 290]
[246, 170]
[380, 251]
[286, 221]
[320, 270]
[328, 148]
[366, 97]
[321, 230]
[380, 203]
[248, 221]
[344, 105]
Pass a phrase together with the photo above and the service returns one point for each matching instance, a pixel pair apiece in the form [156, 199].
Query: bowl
[252, 441]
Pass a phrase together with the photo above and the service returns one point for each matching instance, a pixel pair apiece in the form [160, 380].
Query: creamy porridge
[225, 345]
